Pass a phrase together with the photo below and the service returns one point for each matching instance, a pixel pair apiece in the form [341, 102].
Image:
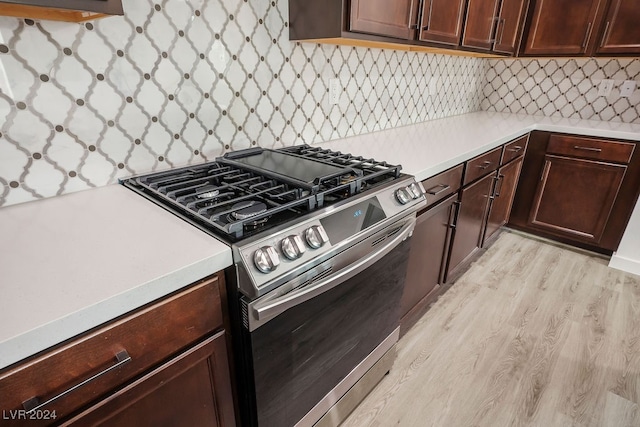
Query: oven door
[305, 343]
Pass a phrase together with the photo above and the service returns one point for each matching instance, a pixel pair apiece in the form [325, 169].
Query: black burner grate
[210, 193]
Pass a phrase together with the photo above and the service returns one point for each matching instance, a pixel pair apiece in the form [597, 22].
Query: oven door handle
[266, 310]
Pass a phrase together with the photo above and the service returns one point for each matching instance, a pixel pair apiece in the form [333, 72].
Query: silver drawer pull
[33, 404]
[595, 150]
[484, 164]
[442, 187]
[515, 148]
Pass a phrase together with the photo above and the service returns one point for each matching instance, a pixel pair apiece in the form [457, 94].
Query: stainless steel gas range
[320, 243]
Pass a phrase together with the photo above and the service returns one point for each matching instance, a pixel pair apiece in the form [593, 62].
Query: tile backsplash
[562, 87]
[175, 82]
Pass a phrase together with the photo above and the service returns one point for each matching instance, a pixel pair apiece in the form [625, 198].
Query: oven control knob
[293, 247]
[403, 196]
[414, 190]
[316, 236]
[266, 259]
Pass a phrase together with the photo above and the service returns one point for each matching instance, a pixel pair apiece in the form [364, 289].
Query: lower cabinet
[502, 200]
[457, 223]
[163, 364]
[575, 197]
[427, 259]
[577, 190]
[474, 202]
[192, 389]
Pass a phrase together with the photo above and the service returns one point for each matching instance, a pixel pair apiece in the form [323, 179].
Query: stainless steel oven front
[306, 343]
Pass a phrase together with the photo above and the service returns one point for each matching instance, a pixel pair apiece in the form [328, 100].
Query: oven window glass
[301, 355]
[348, 222]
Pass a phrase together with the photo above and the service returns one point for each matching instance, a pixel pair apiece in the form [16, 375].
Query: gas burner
[207, 192]
[248, 209]
[252, 225]
[345, 179]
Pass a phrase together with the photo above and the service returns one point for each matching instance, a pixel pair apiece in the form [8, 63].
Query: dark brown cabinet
[562, 27]
[485, 202]
[509, 26]
[486, 27]
[620, 32]
[577, 190]
[163, 363]
[430, 245]
[441, 21]
[575, 197]
[393, 18]
[480, 25]
[502, 198]
[61, 10]
[189, 390]
[474, 203]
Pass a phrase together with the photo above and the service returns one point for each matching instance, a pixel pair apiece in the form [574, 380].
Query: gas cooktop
[250, 191]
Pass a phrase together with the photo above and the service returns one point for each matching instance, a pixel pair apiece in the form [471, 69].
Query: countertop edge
[59, 330]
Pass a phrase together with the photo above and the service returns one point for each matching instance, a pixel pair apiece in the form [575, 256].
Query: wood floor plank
[533, 334]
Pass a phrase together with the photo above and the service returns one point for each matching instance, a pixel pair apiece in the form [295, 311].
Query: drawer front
[111, 355]
[590, 148]
[482, 165]
[514, 149]
[444, 184]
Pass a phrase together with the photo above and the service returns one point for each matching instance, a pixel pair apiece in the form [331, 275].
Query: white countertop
[73, 262]
[426, 149]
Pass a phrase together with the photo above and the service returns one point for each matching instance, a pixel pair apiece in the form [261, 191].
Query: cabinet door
[192, 389]
[575, 197]
[562, 27]
[441, 21]
[509, 24]
[480, 24]
[470, 223]
[502, 197]
[429, 247]
[393, 18]
[621, 32]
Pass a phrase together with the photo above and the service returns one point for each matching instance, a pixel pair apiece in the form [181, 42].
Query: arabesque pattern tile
[562, 87]
[177, 82]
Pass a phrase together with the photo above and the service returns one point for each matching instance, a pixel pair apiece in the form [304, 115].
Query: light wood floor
[533, 334]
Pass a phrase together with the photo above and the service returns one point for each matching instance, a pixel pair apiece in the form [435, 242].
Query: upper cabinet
[477, 27]
[561, 27]
[583, 28]
[494, 25]
[393, 18]
[441, 21]
[620, 33]
[61, 10]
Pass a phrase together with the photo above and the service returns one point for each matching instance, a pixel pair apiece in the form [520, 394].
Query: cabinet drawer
[440, 186]
[514, 149]
[482, 165]
[590, 148]
[104, 359]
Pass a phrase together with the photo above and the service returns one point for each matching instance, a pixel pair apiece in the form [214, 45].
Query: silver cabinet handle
[493, 35]
[587, 35]
[33, 404]
[605, 34]
[484, 164]
[426, 27]
[595, 150]
[515, 149]
[412, 26]
[442, 187]
[272, 308]
[502, 22]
